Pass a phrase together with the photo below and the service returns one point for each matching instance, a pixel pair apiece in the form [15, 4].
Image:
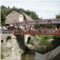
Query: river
[27, 57]
[29, 54]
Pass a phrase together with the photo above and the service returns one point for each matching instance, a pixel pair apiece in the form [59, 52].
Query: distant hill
[32, 14]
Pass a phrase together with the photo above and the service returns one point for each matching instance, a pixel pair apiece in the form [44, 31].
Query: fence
[37, 31]
[6, 32]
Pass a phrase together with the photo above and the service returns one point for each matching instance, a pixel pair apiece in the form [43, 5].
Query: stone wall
[26, 38]
[17, 48]
[13, 46]
[48, 56]
[6, 40]
[13, 17]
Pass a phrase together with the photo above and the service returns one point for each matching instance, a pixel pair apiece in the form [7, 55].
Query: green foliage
[45, 48]
[57, 16]
[6, 10]
[42, 50]
[32, 14]
[49, 47]
[2, 18]
[45, 36]
[43, 42]
[2, 56]
[56, 41]
[46, 45]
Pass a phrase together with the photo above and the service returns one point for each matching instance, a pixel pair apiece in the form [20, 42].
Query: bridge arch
[8, 38]
[8, 42]
[28, 40]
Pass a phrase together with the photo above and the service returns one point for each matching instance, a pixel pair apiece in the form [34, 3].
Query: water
[27, 57]
[29, 54]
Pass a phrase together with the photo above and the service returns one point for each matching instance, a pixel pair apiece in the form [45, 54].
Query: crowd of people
[28, 29]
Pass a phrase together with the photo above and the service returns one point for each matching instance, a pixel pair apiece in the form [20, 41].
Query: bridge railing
[6, 32]
[37, 31]
[32, 32]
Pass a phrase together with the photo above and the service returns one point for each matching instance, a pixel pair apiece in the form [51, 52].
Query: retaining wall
[48, 56]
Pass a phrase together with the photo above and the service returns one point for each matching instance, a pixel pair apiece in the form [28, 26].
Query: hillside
[32, 14]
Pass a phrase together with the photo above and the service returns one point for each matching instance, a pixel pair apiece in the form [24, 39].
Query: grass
[47, 45]
[43, 42]
[44, 39]
[43, 36]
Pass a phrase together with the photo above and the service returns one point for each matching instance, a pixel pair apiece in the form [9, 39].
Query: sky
[43, 8]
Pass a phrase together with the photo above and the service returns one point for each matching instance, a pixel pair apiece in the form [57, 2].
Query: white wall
[21, 18]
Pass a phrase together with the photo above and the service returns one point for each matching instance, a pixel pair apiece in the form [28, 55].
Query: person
[59, 30]
[27, 28]
[56, 29]
[4, 28]
[32, 31]
[19, 30]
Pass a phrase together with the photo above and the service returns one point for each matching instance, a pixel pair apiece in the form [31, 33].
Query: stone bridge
[17, 44]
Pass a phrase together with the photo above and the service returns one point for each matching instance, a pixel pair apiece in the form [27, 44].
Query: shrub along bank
[56, 41]
[46, 46]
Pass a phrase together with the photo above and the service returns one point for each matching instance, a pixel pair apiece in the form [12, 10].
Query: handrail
[6, 32]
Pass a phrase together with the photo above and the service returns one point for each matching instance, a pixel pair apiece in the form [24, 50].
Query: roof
[51, 19]
[26, 17]
[33, 22]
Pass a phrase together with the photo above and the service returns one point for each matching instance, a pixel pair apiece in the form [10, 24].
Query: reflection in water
[27, 57]
[29, 54]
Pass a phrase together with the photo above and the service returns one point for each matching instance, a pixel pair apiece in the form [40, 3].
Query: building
[15, 16]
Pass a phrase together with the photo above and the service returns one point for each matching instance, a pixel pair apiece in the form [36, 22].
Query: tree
[34, 15]
[5, 11]
[2, 18]
[58, 16]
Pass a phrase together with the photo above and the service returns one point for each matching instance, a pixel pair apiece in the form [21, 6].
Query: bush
[45, 48]
[43, 42]
[46, 37]
[56, 41]
[49, 47]
[2, 56]
[42, 50]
